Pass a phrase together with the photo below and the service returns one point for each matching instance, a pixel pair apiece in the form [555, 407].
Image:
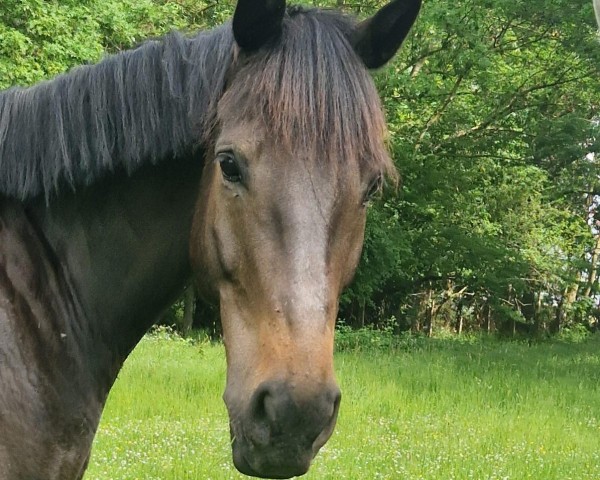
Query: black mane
[143, 105]
[160, 100]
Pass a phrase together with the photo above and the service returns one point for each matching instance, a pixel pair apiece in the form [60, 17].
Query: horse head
[298, 151]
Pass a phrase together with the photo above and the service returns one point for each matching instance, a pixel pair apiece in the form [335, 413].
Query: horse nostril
[258, 403]
[279, 410]
[271, 404]
[274, 405]
[260, 432]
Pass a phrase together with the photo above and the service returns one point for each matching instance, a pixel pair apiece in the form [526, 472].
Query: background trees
[493, 109]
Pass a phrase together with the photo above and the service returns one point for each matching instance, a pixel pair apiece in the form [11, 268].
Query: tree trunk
[593, 270]
[189, 301]
[560, 313]
[487, 316]
[537, 313]
[459, 317]
[363, 306]
[429, 312]
[569, 295]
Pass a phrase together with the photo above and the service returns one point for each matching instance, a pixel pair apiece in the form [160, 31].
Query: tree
[490, 108]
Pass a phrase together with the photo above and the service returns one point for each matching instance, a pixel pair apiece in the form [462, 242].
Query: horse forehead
[268, 157]
[243, 137]
[303, 184]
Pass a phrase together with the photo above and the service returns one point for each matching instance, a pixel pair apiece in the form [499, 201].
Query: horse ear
[255, 22]
[377, 39]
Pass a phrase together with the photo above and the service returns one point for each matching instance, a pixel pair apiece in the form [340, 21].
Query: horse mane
[160, 100]
[142, 105]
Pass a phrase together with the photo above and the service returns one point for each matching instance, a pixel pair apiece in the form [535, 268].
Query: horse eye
[374, 187]
[229, 167]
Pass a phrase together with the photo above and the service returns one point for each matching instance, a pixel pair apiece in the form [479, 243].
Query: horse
[244, 157]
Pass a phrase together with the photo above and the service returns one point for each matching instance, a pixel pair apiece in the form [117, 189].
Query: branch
[437, 115]
[508, 108]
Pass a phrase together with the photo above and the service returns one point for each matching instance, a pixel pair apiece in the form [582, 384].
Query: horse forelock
[312, 93]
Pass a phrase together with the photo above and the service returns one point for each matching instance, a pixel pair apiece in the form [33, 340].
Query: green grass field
[441, 409]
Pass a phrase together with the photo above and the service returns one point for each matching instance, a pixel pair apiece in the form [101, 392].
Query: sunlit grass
[441, 410]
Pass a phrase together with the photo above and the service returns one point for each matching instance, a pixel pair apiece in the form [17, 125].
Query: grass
[433, 410]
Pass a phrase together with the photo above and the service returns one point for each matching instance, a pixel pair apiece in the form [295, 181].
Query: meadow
[421, 409]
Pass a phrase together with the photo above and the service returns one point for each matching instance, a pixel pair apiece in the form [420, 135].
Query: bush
[575, 333]
[376, 339]
[169, 333]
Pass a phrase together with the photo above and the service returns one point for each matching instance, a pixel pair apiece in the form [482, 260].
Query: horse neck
[122, 244]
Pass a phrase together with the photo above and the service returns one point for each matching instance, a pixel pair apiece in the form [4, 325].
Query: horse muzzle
[281, 428]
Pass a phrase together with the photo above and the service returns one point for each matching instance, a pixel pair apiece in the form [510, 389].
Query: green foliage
[161, 333]
[491, 109]
[369, 338]
[40, 39]
[576, 333]
[384, 249]
[174, 315]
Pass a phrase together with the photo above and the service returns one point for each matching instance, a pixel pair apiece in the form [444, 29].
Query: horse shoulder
[46, 430]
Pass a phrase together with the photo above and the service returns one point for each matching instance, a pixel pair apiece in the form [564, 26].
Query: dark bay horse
[246, 155]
